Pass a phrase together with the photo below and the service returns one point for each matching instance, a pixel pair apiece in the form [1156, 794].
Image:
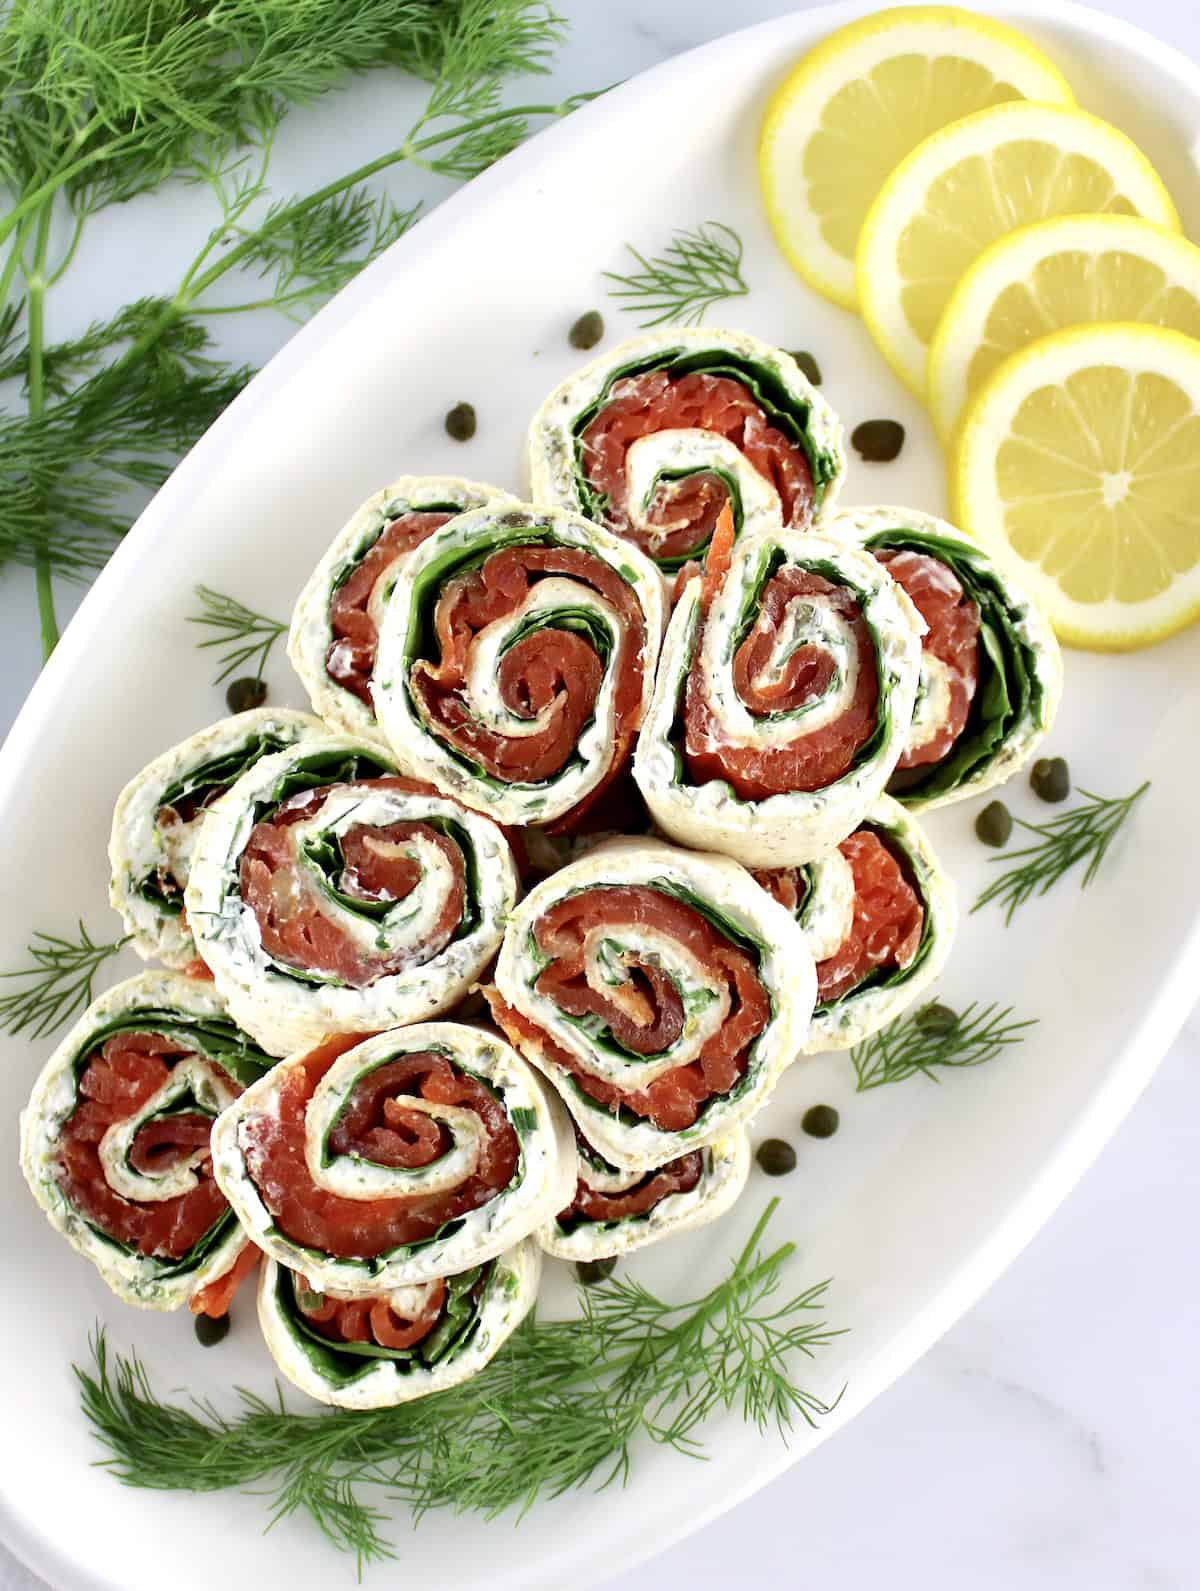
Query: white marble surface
[1049, 1439]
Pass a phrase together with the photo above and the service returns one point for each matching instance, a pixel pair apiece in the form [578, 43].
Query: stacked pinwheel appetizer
[677, 621]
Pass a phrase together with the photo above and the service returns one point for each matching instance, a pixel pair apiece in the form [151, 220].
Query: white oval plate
[926, 1193]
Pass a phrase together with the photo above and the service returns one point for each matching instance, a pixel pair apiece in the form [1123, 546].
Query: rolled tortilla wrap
[400, 1345]
[158, 815]
[991, 668]
[335, 623]
[516, 659]
[651, 439]
[330, 895]
[879, 914]
[397, 1159]
[115, 1140]
[661, 991]
[615, 1212]
[783, 697]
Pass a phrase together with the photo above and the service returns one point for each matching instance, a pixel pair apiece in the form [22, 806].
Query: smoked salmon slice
[516, 658]
[783, 699]
[616, 1212]
[116, 1142]
[368, 1165]
[886, 919]
[378, 1125]
[950, 648]
[334, 633]
[394, 1345]
[330, 894]
[991, 670]
[878, 915]
[653, 439]
[684, 513]
[644, 982]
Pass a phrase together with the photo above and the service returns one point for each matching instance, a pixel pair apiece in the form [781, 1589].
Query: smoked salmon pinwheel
[991, 669]
[661, 992]
[372, 1353]
[783, 698]
[652, 439]
[393, 1161]
[614, 1212]
[115, 1140]
[335, 623]
[158, 815]
[516, 659]
[330, 895]
[879, 915]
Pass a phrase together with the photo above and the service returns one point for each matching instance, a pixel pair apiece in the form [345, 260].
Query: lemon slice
[854, 106]
[968, 185]
[1080, 460]
[1065, 272]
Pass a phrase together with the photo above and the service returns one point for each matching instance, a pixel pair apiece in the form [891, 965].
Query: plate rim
[1160, 1021]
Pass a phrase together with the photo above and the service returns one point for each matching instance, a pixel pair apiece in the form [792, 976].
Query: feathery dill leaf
[560, 1407]
[310, 255]
[919, 1044]
[99, 103]
[696, 270]
[107, 101]
[57, 985]
[67, 470]
[67, 363]
[1085, 832]
[476, 45]
[243, 635]
[13, 356]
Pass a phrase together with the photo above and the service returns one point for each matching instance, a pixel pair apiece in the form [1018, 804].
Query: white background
[1050, 1438]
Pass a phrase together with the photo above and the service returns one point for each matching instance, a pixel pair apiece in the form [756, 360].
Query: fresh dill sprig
[696, 270]
[933, 1037]
[242, 634]
[309, 256]
[1085, 831]
[121, 425]
[99, 103]
[462, 129]
[57, 985]
[560, 1407]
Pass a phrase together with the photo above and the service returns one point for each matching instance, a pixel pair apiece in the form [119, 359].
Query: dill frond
[58, 983]
[918, 1044]
[561, 1406]
[243, 636]
[696, 270]
[1082, 834]
[102, 102]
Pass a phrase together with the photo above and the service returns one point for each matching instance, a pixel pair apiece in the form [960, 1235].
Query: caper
[587, 330]
[808, 365]
[246, 693]
[776, 1157]
[820, 1121]
[878, 441]
[211, 1329]
[1051, 778]
[935, 1018]
[994, 824]
[590, 1272]
[460, 422]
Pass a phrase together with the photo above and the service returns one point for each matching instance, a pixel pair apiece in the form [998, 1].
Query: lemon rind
[876, 38]
[985, 130]
[978, 290]
[1112, 626]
